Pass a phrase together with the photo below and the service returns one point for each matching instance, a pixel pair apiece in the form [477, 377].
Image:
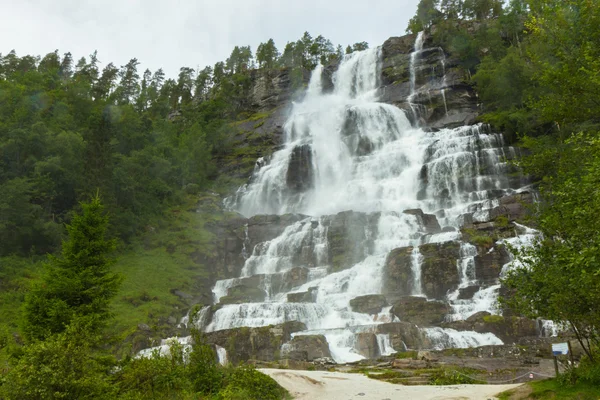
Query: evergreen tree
[78, 284]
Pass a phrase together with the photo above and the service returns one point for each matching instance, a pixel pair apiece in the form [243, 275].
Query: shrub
[246, 383]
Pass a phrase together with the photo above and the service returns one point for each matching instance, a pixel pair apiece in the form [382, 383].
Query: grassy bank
[552, 389]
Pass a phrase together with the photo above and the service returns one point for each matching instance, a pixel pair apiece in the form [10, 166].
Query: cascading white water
[384, 345]
[416, 260]
[450, 338]
[367, 157]
[221, 355]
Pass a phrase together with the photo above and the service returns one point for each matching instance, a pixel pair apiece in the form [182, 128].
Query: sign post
[559, 349]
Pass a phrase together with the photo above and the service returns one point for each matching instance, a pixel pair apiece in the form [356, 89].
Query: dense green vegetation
[149, 147]
[535, 64]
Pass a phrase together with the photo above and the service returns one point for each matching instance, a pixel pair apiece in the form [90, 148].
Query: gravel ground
[317, 385]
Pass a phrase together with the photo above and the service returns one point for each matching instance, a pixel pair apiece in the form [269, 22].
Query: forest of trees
[69, 128]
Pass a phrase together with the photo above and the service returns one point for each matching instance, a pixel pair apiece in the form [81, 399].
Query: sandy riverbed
[323, 385]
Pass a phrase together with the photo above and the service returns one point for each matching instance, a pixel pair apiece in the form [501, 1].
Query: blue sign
[560, 349]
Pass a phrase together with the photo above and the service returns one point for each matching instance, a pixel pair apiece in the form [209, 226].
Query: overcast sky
[192, 33]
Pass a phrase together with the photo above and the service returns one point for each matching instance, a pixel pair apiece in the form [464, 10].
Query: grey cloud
[172, 34]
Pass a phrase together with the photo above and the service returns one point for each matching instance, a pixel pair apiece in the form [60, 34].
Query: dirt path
[323, 385]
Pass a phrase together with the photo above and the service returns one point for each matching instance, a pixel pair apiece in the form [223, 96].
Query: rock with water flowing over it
[404, 335]
[507, 329]
[429, 222]
[243, 294]
[419, 311]
[366, 345]
[369, 304]
[306, 348]
[397, 274]
[468, 292]
[489, 264]
[299, 176]
[440, 274]
[262, 343]
[349, 237]
[303, 297]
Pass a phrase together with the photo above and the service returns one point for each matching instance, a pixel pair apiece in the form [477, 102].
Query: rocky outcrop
[427, 222]
[271, 88]
[507, 329]
[419, 311]
[439, 271]
[404, 336]
[307, 348]
[243, 294]
[444, 97]
[369, 304]
[488, 264]
[264, 344]
[309, 296]
[397, 273]
[366, 345]
[349, 237]
[299, 177]
[516, 207]
[468, 292]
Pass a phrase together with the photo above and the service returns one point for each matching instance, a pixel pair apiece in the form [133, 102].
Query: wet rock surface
[307, 348]
[263, 343]
[419, 311]
[369, 304]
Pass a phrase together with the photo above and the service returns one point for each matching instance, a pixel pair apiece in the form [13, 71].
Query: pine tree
[77, 284]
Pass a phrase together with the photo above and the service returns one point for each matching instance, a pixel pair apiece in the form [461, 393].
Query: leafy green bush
[246, 383]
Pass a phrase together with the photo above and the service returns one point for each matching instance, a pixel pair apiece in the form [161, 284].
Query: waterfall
[221, 355]
[384, 345]
[450, 338]
[416, 260]
[345, 150]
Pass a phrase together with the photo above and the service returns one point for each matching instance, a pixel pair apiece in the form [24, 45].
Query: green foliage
[247, 383]
[155, 377]
[61, 367]
[553, 389]
[79, 283]
[452, 377]
[204, 373]
[559, 279]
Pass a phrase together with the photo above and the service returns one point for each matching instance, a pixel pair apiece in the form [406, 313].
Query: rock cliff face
[452, 102]
[432, 283]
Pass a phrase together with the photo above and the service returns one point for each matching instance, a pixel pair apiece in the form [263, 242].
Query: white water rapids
[366, 156]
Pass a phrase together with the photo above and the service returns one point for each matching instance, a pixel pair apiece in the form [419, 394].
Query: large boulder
[349, 237]
[516, 207]
[508, 329]
[428, 222]
[369, 304]
[419, 311]
[398, 276]
[439, 272]
[299, 176]
[310, 296]
[404, 336]
[243, 294]
[306, 348]
[366, 345]
[488, 264]
[264, 343]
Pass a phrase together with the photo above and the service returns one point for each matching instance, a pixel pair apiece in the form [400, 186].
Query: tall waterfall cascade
[349, 155]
